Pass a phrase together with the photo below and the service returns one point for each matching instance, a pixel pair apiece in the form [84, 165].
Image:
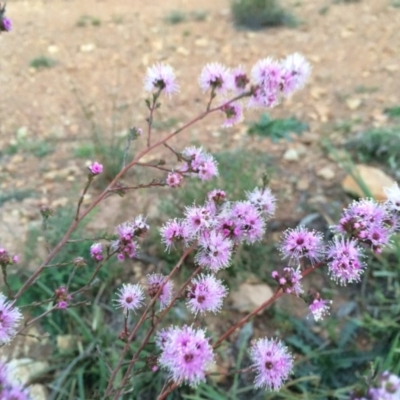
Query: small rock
[24, 369]
[60, 202]
[374, 178]
[392, 67]
[326, 173]
[67, 343]
[250, 296]
[291, 155]
[302, 184]
[183, 51]
[52, 49]
[353, 104]
[201, 42]
[87, 48]
[309, 137]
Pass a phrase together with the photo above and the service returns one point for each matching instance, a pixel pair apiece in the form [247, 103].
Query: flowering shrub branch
[212, 232]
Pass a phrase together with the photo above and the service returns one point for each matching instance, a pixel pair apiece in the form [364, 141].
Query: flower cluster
[319, 308]
[186, 353]
[9, 388]
[272, 362]
[161, 77]
[300, 242]
[62, 297]
[126, 246]
[345, 260]
[218, 226]
[386, 387]
[96, 251]
[369, 222]
[271, 80]
[198, 163]
[10, 317]
[289, 280]
[205, 293]
[130, 297]
[6, 259]
[154, 282]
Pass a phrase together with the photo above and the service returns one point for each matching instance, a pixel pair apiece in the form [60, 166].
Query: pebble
[250, 296]
[375, 179]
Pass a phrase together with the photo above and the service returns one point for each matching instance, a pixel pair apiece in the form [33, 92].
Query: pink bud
[96, 168]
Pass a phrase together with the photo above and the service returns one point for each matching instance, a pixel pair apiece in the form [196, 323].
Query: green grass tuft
[42, 62]
[257, 14]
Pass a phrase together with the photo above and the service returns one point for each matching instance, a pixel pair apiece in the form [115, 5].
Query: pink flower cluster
[126, 246]
[289, 280]
[10, 389]
[62, 297]
[197, 163]
[218, 226]
[271, 80]
[272, 362]
[185, 353]
[156, 281]
[205, 293]
[300, 242]
[369, 223]
[6, 259]
[386, 387]
[10, 317]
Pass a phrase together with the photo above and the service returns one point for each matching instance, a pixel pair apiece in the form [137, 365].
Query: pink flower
[240, 80]
[248, 219]
[10, 317]
[272, 363]
[215, 251]
[319, 308]
[199, 162]
[6, 259]
[96, 168]
[96, 251]
[388, 387]
[130, 297]
[9, 388]
[174, 231]
[125, 245]
[161, 77]
[298, 243]
[174, 179]
[393, 197]
[289, 280]
[62, 297]
[5, 24]
[264, 200]
[345, 260]
[198, 219]
[296, 72]
[206, 293]
[267, 76]
[234, 114]
[186, 354]
[154, 282]
[217, 196]
[216, 77]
